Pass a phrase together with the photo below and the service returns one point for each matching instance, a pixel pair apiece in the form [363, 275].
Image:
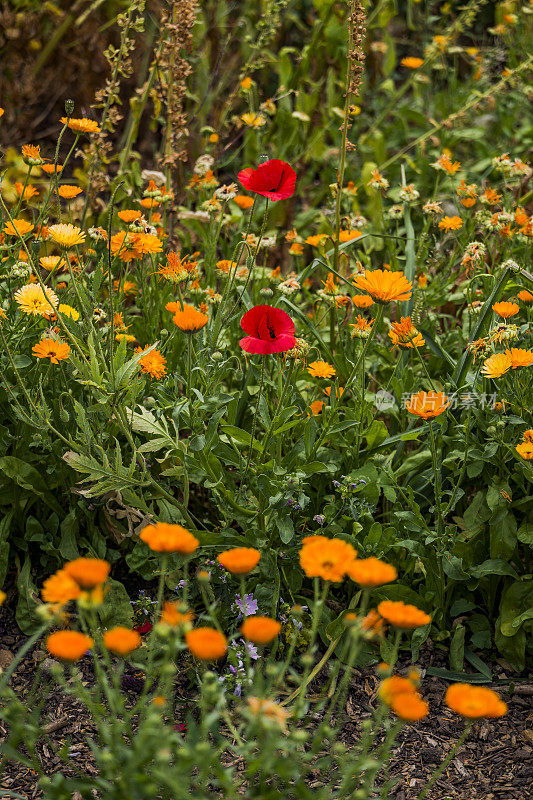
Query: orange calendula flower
[129, 215]
[325, 558]
[32, 300]
[362, 301]
[260, 630]
[88, 572]
[525, 449]
[269, 711]
[207, 644]
[519, 357]
[427, 405]
[18, 227]
[339, 391]
[384, 286]
[316, 407]
[25, 192]
[450, 223]
[189, 320]
[52, 169]
[240, 560]
[321, 369]
[525, 296]
[122, 641]
[403, 615]
[243, 201]
[496, 365]
[371, 572]
[490, 197]
[411, 62]
[166, 538]
[66, 235]
[474, 702]
[68, 192]
[409, 706]
[527, 436]
[296, 249]
[506, 310]
[153, 364]
[317, 240]
[349, 236]
[404, 334]
[361, 327]
[225, 265]
[53, 349]
[147, 243]
[31, 153]
[174, 616]
[60, 588]
[82, 125]
[178, 268]
[68, 645]
[445, 163]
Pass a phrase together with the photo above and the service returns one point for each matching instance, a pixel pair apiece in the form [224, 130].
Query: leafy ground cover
[266, 382]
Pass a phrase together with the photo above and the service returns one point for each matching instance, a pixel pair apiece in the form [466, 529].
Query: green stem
[254, 423]
[436, 775]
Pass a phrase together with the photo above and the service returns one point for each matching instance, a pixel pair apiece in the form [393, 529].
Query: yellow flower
[82, 125]
[49, 263]
[66, 235]
[32, 300]
[68, 311]
[497, 365]
[253, 120]
[246, 83]
[321, 369]
[384, 286]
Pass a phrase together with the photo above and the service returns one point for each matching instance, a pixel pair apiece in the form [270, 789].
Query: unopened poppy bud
[217, 356]
[69, 107]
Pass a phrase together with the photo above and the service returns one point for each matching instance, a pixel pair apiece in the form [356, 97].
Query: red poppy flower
[274, 179]
[269, 329]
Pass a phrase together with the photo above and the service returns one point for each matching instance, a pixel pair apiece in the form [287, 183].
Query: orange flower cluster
[402, 697]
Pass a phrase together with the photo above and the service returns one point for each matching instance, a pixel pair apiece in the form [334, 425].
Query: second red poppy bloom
[274, 179]
[269, 329]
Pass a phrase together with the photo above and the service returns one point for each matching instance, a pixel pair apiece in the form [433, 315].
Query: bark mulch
[495, 763]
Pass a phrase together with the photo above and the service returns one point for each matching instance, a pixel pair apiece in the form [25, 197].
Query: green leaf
[68, 546]
[285, 528]
[457, 648]
[116, 609]
[493, 566]
[28, 478]
[25, 615]
[524, 533]
[517, 602]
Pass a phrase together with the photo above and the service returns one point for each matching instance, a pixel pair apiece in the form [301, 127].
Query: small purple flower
[246, 606]
[289, 502]
[319, 518]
